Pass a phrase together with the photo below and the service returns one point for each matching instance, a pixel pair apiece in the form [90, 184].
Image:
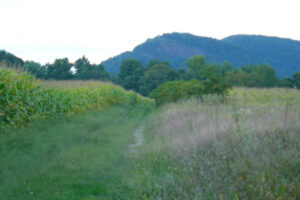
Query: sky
[44, 30]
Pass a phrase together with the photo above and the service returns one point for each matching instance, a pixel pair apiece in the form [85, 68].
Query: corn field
[23, 99]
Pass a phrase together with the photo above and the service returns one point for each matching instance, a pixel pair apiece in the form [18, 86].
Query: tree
[83, 67]
[182, 74]
[196, 66]
[156, 61]
[131, 71]
[10, 60]
[253, 76]
[267, 76]
[173, 91]
[85, 70]
[199, 69]
[155, 76]
[98, 72]
[35, 68]
[286, 82]
[60, 69]
[226, 67]
[296, 79]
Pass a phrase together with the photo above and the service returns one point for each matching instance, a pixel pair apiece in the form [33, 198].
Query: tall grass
[23, 99]
[72, 84]
[246, 148]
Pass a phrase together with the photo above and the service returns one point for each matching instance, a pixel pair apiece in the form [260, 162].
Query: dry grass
[69, 84]
[246, 148]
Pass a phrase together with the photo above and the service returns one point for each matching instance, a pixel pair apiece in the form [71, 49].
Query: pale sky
[43, 30]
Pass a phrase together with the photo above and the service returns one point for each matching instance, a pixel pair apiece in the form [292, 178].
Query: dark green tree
[226, 67]
[10, 60]
[155, 75]
[131, 71]
[98, 72]
[286, 82]
[296, 79]
[60, 69]
[199, 69]
[196, 66]
[85, 70]
[182, 74]
[156, 61]
[83, 67]
[253, 76]
[35, 68]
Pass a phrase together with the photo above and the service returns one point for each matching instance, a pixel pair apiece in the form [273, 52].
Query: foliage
[280, 53]
[296, 77]
[85, 70]
[35, 68]
[156, 75]
[145, 79]
[176, 48]
[176, 90]
[240, 50]
[23, 99]
[131, 71]
[10, 59]
[60, 70]
[253, 76]
[286, 82]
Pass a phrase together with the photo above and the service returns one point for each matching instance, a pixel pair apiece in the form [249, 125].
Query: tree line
[135, 76]
[144, 79]
[10, 59]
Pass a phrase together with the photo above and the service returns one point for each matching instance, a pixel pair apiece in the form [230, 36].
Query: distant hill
[281, 54]
[10, 60]
[176, 48]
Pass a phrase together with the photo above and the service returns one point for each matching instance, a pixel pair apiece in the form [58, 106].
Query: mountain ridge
[176, 48]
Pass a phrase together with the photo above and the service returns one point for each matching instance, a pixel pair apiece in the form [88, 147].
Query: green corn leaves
[22, 99]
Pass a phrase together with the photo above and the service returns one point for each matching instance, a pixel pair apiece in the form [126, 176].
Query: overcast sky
[43, 30]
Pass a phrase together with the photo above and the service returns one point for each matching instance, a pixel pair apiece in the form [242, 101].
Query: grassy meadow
[76, 140]
[79, 157]
[245, 148]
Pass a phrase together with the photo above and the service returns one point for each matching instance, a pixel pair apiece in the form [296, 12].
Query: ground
[82, 157]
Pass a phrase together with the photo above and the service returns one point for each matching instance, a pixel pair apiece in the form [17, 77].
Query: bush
[175, 90]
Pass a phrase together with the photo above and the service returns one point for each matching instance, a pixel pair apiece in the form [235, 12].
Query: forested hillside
[176, 48]
[10, 60]
[281, 54]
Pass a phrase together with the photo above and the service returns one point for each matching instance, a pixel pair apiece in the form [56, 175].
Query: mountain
[281, 54]
[10, 60]
[176, 48]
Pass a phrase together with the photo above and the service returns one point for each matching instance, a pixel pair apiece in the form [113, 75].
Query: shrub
[174, 90]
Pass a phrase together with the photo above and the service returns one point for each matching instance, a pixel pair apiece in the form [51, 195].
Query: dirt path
[138, 138]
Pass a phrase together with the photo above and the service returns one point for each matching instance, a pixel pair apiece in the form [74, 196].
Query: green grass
[81, 157]
[245, 148]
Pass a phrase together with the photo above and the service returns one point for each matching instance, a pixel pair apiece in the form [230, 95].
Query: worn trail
[138, 138]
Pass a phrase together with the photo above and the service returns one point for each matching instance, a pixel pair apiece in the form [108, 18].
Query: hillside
[176, 48]
[282, 54]
[9, 59]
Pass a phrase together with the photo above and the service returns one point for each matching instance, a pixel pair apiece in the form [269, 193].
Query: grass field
[247, 147]
[80, 157]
